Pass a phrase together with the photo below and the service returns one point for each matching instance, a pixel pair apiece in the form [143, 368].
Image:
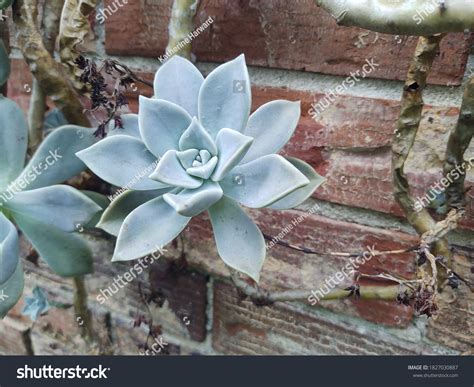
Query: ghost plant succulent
[197, 149]
[4, 4]
[46, 213]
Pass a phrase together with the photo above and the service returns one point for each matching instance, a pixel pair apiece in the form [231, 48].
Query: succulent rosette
[203, 152]
[32, 200]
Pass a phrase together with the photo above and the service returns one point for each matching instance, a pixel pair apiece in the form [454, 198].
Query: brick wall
[295, 52]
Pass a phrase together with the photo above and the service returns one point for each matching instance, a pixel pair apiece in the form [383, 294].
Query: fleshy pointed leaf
[129, 126]
[101, 201]
[123, 161]
[225, 97]
[67, 254]
[271, 126]
[36, 305]
[178, 81]
[115, 214]
[60, 206]
[203, 171]
[13, 141]
[55, 160]
[161, 124]
[11, 290]
[147, 229]
[170, 171]
[239, 241]
[263, 181]
[298, 196]
[9, 248]
[231, 147]
[187, 157]
[196, 137]
[191, 202]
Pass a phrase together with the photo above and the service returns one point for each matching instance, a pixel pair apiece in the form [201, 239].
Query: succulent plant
[4, 4]
[46, 213]
[196, 149]
[36, 305]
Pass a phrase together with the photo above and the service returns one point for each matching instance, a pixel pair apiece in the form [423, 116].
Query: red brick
[289, 269]
[20, 83]
[241, 328]
[186, 292]
[279, 34]
[349, 144]
[13, 334]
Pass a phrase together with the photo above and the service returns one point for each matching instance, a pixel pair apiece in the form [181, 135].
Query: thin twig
[125, 71]
[306, 250]
[83, 314]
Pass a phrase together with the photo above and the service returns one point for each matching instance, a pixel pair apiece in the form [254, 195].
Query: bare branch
[264, 297]
[407, 128]
[44, 68]
[181, 24]
[442, 228]
[50, 29]
[83, 314]
[458, 142]
[403, 17]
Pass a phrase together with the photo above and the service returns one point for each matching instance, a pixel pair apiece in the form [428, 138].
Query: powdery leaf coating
[213, 161]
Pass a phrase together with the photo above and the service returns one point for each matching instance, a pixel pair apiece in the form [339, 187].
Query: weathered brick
[279, 34]
[454, 325]
[20, 83]
[349, 144]
[240, 328]
[289, 269]
[13, 333]
[57, 332]
[186, 293]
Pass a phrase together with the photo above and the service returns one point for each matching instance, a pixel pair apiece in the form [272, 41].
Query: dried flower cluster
[100, 97]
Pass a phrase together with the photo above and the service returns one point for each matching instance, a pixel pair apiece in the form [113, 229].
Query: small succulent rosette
[46, 213]
[192, 148]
